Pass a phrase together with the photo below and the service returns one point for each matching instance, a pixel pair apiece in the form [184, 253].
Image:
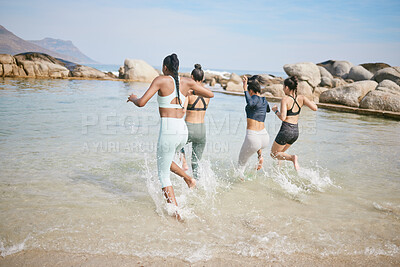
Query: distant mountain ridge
[63, 47]
[12, 44]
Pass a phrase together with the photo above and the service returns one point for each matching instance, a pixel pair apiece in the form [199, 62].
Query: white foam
[6, 251]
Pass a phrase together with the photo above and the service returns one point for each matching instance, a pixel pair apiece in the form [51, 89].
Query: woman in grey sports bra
[196, 111]
[172, 92]
[290, 109]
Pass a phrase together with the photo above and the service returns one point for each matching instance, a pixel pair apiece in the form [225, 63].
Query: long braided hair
[172, 64]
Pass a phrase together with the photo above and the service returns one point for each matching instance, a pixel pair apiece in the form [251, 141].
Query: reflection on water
[78, 174]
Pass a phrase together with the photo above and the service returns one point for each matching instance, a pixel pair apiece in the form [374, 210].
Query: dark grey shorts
[288, 133]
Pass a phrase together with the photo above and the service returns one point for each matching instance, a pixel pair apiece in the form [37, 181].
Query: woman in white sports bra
[172, 93]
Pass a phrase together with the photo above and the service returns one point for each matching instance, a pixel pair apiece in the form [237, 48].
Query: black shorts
[288, 133]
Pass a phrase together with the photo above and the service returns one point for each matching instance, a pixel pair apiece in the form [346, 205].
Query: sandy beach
[52, 258]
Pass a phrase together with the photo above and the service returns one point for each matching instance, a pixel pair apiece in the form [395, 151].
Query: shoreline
[57, 258]
[334, 107]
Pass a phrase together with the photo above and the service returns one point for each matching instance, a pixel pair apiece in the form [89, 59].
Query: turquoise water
[78, 174]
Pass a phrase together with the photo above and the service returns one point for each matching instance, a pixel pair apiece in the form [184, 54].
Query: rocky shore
[372, 86]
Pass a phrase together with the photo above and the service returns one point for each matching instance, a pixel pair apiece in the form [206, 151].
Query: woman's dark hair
[172, 64]
[254, 83]
[292, 83]
[197, 73]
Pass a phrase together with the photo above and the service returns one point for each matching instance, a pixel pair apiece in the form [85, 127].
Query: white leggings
[253, 141]
[173, 136]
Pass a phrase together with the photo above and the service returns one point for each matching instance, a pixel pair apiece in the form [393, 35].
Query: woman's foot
[190, 182]
[260, 162]
[296, 163]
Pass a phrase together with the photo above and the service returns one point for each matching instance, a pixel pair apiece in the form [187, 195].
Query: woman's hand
[274, 108]
[132, 98]
[191, 92]
[245, 79]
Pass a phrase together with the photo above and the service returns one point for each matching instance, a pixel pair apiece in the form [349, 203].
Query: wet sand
[52, 258]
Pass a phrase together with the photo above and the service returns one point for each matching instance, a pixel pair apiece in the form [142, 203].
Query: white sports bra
[165, 101]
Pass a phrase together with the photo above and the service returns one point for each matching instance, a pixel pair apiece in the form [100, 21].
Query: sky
[227, 35]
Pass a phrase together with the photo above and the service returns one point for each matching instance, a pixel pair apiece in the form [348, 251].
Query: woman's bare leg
[185, 166]
[170, 196]
[178, 171]
[260, 159]
[278, 152]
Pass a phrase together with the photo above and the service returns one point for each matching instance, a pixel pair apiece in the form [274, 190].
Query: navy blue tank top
[257, 107]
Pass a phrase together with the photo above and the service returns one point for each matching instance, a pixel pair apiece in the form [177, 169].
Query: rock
[381, 100]
[234, 84]
[336, 82]
[305, 71]
[389, 86]
[392, 73]
[111, 75]
[304, 88]
[212, 82]
[337, 68]
[7, 59]
[274, 90]
[348, 95]
[317, 93]
[41, 65]
[1, 70]
[87, 72]
[326, 77]
[121, 72]
[326, 82]
[374, 67]
[138, 70]
[359, 73]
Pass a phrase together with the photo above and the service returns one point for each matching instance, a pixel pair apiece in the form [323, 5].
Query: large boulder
[304, 88]
[348, 95]
[337, 68]
[41, 65]
[374, 67]
[389, 86]
[381, 100]
[359, 73]
[274, 90]
[7, 59]
[234, 84]
[326, 77]
[138, 70]
[87, 72]
[392, 73]
[305, 71]
[336, 82]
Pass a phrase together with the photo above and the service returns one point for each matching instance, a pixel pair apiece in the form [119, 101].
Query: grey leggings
[254, 141]
[197, 136]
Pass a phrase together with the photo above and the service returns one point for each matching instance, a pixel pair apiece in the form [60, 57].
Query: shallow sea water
[78, 174]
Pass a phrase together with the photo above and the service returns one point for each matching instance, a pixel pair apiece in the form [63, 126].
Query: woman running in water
[291, 105]
[196, 110]
[172, 92]
[257, 137]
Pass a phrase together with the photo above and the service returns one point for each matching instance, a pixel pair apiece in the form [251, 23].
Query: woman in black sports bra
[291, 105]
[196, 110]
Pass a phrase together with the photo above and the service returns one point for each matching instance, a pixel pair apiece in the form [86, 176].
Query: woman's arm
[199, 89]
[249, 100]
[282, 114]
[310, 104]
[141, 102]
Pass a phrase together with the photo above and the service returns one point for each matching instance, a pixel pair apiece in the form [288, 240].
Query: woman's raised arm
[200, 90]
[141, 102]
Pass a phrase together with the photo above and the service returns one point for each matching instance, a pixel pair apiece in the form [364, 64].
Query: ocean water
[78, 174]
[114, 69]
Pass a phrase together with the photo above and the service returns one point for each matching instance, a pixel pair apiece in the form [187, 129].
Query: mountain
[65, 48]
[12, 44]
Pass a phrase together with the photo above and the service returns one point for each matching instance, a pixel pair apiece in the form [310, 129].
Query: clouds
[257, 35]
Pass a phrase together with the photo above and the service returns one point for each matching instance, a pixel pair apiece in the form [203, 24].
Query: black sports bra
[290, 112]
[193, 106]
